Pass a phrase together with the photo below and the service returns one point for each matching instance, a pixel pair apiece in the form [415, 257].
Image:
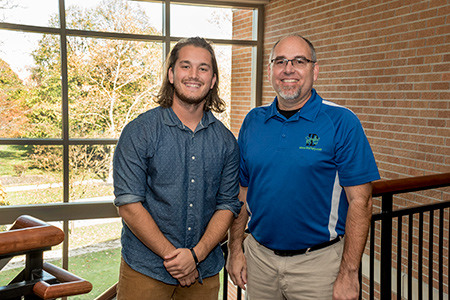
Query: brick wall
[240, 86]
[241, 69]
[388, 61]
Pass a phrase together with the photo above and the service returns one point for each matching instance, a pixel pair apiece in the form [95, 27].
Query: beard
[289, 94]
[192, 100]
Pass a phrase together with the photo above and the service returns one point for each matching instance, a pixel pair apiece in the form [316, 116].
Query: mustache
[193, 80]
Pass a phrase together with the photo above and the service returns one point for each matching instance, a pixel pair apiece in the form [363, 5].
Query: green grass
[88, 235]
[50, 195]
[99, 268]
[11, 156]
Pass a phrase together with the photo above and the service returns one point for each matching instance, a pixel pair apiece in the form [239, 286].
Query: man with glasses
[176, 171]
[306, 171]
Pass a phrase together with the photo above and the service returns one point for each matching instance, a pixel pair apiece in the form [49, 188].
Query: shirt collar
[309, 111]
[171, 119]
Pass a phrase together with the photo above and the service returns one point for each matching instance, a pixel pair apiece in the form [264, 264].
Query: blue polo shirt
[295, 170]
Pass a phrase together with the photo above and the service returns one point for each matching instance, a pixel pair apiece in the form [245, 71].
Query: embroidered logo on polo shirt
[312, 140]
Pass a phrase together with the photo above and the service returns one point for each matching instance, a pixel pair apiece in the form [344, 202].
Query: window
[69, 83]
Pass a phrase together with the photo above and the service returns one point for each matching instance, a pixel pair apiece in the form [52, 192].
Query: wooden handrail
[28, 234]
[387, 189]
[406, 185]
[25, 221]
[70, 284]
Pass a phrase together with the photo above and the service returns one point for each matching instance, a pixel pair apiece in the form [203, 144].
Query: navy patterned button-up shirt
[181, 177]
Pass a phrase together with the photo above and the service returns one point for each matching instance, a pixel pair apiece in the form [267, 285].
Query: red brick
[388, 61]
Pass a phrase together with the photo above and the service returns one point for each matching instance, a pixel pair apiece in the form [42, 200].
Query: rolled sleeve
[227, 198]
[129, 165]
[127, 199]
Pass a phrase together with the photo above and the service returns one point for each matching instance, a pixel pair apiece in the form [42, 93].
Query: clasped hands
[181, 265]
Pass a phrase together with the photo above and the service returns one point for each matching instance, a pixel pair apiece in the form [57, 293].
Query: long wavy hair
[166, 92]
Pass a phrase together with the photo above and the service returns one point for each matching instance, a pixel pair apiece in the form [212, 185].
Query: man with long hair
[176, 184]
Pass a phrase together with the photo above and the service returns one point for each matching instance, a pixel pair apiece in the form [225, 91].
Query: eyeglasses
[297, 63]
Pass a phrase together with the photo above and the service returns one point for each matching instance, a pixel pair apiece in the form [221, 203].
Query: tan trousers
[136, 286]
[302, 277]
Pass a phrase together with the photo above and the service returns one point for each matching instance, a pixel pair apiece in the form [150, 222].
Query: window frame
[67, 211]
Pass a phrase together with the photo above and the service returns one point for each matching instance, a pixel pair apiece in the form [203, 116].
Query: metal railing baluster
[399, 256]
[420, 275]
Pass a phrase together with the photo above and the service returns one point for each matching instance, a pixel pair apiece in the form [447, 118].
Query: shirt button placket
[191, 191]
[283, 136]
[193, 161]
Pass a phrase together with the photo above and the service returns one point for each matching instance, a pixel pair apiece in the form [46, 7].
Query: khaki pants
[136, 286]
[301, 277]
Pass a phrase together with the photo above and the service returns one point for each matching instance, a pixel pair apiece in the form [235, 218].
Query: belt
[303, 251]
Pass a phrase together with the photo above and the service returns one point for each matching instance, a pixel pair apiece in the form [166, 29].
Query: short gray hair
[311, 46]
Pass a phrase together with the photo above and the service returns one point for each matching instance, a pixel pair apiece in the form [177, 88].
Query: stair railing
[38, 280]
